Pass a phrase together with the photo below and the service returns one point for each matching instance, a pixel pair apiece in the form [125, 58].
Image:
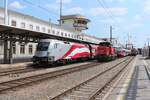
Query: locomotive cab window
[105, 44]
[43, 46]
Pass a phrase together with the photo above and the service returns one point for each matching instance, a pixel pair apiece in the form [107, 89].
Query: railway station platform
[135, 85]
[139, 87]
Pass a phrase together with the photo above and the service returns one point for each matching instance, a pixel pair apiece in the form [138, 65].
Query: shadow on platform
[132, 89]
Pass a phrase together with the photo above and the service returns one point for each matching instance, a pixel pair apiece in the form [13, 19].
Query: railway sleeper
[86, 90]
[92, 86]
[9, 84]
[89, 88]
[75, 97]
[80, 93]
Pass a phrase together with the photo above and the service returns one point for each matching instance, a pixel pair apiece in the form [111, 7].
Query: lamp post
[111, 34]
[148, 48]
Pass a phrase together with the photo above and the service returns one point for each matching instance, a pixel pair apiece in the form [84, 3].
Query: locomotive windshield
[105, 44]
[43, 46]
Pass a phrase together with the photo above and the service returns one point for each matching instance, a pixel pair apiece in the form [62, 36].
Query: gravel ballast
[49, 88]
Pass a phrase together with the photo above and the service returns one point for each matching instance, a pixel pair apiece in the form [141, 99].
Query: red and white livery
[49, 50]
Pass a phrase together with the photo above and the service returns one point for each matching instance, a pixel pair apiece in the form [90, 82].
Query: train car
[128, 52]
[105, 52]
[139, 51]
[55, 51]
[123, 52]
[134, 52]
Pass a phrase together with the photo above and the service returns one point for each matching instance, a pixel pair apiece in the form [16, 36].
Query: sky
[129, 18]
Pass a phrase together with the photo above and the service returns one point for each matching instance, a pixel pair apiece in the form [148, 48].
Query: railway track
[17, 71]
[18, 83]
[92, 88]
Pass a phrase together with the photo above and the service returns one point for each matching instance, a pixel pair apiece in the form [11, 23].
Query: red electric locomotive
[105, 52]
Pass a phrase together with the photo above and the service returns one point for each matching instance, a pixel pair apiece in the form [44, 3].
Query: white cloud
[64, 1]
[74, 10]
[114, 11]
[16, 5]
[147, 6]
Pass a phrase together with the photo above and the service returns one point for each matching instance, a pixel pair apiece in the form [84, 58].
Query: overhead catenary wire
[41, 7]
[106, 6]
[103, 5]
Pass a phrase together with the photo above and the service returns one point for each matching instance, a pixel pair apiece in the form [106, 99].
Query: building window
[43, 29]
[72, 36]
[62, 33]
[30, 49]
[53, 31]
[57, 32]
[49, 31]
[14, 48]
[75, 36]
[37, 28]
[31, 27]
[68, 35]
[22, 49]
[13, 23]
[65, 34]
[22, 25]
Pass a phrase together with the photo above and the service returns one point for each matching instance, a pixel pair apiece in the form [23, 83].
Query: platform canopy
[24, 35]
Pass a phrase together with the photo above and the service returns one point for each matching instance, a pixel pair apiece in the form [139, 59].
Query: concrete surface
[135, 85]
